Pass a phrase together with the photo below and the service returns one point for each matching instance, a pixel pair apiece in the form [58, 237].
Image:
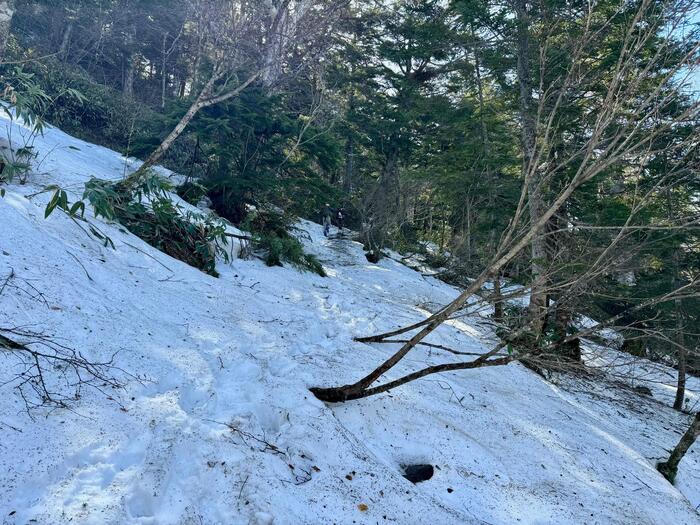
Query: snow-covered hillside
[220, 428]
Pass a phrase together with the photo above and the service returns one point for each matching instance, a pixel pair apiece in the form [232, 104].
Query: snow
[220, 426]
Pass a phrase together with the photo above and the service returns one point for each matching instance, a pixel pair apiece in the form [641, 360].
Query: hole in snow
[418, 473]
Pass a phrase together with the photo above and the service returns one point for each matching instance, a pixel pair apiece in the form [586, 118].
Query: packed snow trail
[220, 428]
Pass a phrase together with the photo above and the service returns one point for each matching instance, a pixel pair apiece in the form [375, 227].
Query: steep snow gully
[216, 425]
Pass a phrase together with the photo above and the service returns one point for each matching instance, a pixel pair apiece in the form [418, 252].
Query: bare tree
[623, 130]
[247, 42]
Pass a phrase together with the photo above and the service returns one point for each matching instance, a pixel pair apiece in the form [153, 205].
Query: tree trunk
[276, 44]
[349, 164]
[468, 232]
[442, 235]
[196, 66]
[204, 99]
[680, 389]
[538, 254]
[129, 74]
[497, 299]
[383, 204]
[669, 468]
[678, 310]
[163, 72]
[65, 41]
[569, 349]
[349, 151]
[163, 87]
[164, 146]
[7, 11]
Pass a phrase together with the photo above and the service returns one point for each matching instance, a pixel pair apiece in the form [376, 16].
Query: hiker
[339, 218]
[327, 214]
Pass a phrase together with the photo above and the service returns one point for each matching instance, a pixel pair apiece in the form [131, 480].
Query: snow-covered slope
[221, 428]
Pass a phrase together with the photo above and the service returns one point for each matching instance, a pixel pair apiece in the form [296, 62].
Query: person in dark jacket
[340, 219]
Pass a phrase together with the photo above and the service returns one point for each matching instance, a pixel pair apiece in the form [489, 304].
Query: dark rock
[373, 257]
[418, 473]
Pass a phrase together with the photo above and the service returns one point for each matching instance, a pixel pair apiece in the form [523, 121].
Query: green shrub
[270, 231]
[269, 221]
[146, 210]
[288, 249]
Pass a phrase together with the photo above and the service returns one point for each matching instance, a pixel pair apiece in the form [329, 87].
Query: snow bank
[221, 427]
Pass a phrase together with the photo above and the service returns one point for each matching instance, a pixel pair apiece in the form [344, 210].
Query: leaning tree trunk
[7, 10]
[670, 468]
[203, 100]
[538, 253]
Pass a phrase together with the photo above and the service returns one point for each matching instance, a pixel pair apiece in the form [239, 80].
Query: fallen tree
[626, 125]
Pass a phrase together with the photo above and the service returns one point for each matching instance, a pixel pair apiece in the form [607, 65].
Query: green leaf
[51, 206]
[63, 200]
[78, 206]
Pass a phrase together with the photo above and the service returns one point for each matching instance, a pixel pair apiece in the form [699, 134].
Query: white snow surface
[240, 352]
